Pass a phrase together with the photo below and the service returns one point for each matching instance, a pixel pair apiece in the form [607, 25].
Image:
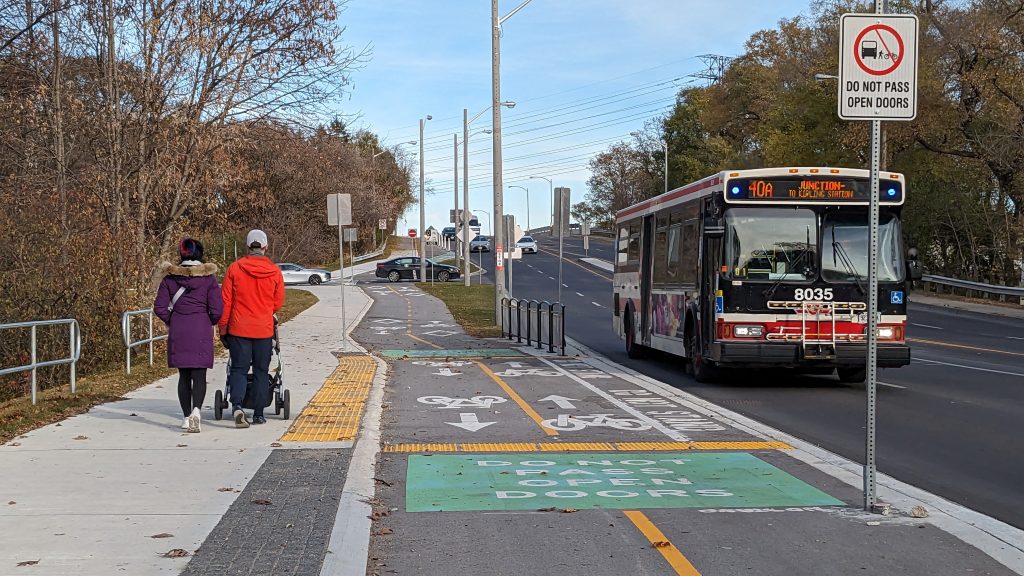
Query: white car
[480, 244]
[527, 244]
[295, 274]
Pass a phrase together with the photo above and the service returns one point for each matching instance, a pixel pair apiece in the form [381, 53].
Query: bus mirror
[914, 267]
[713, 227]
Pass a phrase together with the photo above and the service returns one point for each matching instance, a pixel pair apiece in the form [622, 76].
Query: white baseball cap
[256, 237]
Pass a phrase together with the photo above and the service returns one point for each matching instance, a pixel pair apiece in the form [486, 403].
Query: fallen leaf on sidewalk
[275, 444]
[262, 502]
[568, 510]
[661, 544]
[133, 414]
[11, 503]
[384, 482]
[383, 532]
[176, 553]
[15, 444]
[919, 512]
[80, 438]
[28, 563]
[552, 509]
[225, 489]
[162, 535]
[182, 446]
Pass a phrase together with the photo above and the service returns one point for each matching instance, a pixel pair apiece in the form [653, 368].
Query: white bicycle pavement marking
[570, 423]
[475, 402]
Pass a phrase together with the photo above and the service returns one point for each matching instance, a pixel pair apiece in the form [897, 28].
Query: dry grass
[18, 416]
[472, 306]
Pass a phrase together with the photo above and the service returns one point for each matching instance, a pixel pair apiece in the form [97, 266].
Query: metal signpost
[877, 81]
[339, 213]
[585, 231]
[562, 223]
[351, 234]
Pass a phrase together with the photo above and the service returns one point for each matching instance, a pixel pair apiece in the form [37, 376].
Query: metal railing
[126, 334]
[543, 322]
[368, 255]
[939, 283]
[75, 347]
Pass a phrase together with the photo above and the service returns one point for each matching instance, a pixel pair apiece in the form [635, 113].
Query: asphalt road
[948, 423]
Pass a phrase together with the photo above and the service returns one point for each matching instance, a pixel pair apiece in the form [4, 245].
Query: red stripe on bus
[665, 198]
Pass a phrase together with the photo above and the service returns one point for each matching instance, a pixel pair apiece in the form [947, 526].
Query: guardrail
[126, 334]
[538, 315]
[75, 346]
[937, 284]
[368, 255]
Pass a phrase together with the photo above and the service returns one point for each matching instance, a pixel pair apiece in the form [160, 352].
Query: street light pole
[551, 193]
[527, 204]
[455, 154]
[423, 216]
[664, 146]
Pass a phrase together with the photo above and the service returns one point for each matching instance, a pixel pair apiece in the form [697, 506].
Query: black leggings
[191, 388]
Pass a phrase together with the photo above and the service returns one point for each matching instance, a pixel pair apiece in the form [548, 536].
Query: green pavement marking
[457, 353]
[619, 481]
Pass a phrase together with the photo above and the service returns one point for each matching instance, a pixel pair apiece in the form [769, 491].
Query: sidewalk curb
[996, 538]
[350, 537]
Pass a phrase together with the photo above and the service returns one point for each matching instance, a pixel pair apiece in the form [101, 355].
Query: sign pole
[341, 284]
[872, 359]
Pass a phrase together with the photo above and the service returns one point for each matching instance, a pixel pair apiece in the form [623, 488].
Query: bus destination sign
[811, 189]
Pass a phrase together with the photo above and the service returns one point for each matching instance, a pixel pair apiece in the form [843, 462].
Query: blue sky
[583, 74]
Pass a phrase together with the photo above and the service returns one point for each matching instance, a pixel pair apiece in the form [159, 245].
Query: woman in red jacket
[253, 291]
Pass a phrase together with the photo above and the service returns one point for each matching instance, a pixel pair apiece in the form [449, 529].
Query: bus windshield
[771, 244]
[844, 248]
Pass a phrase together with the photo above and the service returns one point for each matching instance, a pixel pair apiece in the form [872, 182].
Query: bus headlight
[886, 332]
[748, 331]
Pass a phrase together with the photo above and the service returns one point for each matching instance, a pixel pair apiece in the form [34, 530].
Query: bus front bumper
[751, 354]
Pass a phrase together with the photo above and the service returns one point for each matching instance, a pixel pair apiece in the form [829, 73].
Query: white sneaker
[193, 421]
[184, 423]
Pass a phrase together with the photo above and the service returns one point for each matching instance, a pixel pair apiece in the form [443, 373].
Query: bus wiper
[838, 250]
[796, 258]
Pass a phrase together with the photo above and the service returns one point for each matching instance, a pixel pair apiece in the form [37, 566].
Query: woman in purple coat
[189, 302]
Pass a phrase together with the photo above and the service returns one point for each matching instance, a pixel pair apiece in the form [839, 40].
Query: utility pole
[423, 216]
[465, 195]
[499, 206]
[455, 155]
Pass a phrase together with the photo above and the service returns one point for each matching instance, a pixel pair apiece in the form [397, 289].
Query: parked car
[480, 244]
[295, 274]
[448, 233]
[408, 268]
[527, 244]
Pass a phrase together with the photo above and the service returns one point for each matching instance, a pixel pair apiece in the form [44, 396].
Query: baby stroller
[277, 395]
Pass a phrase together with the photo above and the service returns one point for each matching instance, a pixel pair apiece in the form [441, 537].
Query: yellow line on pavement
[585, 446]
[555, 254]
[408, 320]
[672, 555]
[517, 399]
[334, 413]
[964, 346]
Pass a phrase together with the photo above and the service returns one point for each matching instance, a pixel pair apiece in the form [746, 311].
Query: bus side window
[689, 248]
[633, 251]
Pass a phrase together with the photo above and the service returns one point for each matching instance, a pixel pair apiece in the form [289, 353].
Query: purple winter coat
[190, 325]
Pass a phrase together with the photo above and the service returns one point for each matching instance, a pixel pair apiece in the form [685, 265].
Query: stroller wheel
[218, 405]
[287, 405]
[278, 402]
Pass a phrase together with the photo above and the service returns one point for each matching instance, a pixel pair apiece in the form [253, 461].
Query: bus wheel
[701, 369]
[853, 375]
[633, 350]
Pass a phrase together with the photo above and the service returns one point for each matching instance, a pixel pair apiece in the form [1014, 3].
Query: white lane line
[892, 385]
[551, 277]
[540, 271]
[580, 295]
[1015, 338]
[596, 304]
[565, 285]
[926, 326]
[970, 367]
[530, 265]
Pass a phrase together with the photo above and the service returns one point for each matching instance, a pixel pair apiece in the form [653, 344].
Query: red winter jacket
[253, 291]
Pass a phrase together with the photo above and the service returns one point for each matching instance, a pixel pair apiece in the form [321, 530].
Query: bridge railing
[943, 284]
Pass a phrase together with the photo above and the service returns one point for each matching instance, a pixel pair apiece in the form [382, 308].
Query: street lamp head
[429, 117]
[508, 104]
[487, 131]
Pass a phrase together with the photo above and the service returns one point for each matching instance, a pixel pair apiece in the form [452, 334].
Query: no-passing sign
[878, 67]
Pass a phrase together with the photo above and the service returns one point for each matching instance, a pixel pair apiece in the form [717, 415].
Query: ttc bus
[763, 268]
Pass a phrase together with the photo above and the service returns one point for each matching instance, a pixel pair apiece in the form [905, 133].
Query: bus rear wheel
[633, 350]
[852, 374]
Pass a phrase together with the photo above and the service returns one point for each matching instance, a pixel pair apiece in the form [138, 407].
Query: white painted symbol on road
[560, 401]
[513, 372]
[439, 363]
[387, 321]
[440, 333]
[436, 324]
[569, 423]
[446, 372]
[474, 402]
[514, 364]
[469, 421]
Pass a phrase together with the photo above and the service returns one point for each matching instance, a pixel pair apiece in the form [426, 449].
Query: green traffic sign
[622, 480]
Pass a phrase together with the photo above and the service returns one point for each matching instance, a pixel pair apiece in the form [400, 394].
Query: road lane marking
[926, 326]
[580, 295]
[578, 265]
[517, 399]
[596, 304]
[672, 555]
[585, 446]
[1015, 338]
[892, 385]
[408, 322]
[964, 346]
[565, 285]
[334, 413]
[970, 367]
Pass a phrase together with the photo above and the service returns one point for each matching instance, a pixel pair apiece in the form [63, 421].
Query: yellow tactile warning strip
[334, 413]
[585, 446]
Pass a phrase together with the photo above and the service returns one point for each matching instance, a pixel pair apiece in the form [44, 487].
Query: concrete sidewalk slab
[85, 495]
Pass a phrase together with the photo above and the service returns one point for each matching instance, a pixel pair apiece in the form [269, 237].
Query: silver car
[527, 244]
[480, 244]
[295, 274]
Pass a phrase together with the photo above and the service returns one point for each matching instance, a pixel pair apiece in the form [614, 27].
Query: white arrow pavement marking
[513, 364]
[470, 422]
[446, 372]
[561, 401]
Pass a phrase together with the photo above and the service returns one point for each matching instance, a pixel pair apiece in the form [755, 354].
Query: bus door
[646, 260]
[710, 262]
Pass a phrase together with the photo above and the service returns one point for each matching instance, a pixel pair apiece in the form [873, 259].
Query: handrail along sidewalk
[126, 334]
[75, 346]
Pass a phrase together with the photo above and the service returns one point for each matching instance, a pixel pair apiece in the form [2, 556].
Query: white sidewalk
[85, 496]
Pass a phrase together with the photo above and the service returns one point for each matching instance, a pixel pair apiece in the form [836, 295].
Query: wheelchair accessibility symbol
[896, 297]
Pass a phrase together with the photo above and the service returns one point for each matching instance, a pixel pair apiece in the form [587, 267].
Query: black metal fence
[540, 323]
